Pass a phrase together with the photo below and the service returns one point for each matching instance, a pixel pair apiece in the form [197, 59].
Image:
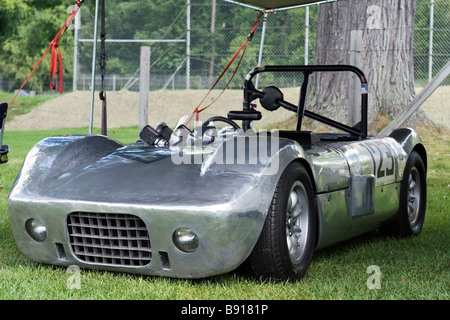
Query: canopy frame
[264, 9]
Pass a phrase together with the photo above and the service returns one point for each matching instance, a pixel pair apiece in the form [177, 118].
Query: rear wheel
[413, 194]
[284, 249]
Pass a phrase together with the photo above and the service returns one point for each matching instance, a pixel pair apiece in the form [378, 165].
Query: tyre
[285, 246]
[413, 196]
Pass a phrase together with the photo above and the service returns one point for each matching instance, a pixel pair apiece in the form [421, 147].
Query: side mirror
[272, 96]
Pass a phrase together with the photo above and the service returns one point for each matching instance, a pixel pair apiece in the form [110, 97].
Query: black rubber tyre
[285, 246]
[413, 196]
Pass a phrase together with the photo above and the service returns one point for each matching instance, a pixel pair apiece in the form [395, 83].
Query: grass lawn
[23, 104]
[415, 268]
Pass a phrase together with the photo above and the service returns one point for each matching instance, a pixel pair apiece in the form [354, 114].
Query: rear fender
[410, 140]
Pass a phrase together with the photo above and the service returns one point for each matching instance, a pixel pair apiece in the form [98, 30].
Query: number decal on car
[384, 159]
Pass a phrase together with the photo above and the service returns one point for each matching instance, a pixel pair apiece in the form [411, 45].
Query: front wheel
[284, 249]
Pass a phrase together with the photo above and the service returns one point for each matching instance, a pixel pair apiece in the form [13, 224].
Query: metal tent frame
[95, 40]
[266, 6]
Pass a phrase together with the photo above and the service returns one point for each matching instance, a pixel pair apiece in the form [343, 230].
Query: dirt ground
[72, 110]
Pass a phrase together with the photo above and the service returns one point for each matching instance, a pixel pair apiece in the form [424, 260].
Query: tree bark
[386, 57]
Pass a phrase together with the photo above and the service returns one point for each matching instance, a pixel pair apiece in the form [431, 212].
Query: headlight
[185, 239]
[36, 230]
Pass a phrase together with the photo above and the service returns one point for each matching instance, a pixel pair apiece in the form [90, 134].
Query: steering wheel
[223, 119]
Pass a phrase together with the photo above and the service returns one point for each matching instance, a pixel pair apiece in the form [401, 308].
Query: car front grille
[112, 239]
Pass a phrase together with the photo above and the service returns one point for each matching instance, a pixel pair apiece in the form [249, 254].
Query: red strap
[53, 60]
[53, 63]
[249, 37]
[196, 111]
[229, 81]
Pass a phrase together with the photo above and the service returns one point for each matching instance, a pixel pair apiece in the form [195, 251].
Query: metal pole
[2, 132]
[307, 36]
[262, 7]
[188, 44]
[144, 86]
[75, 49]
[261, 47]
[430, 47]
[134, 40]
[423, 95]
[354, 98]
[94, 56]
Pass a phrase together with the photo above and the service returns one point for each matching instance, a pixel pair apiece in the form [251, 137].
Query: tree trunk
[386, 56]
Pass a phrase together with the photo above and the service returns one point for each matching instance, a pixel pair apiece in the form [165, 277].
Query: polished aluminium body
[143, 198]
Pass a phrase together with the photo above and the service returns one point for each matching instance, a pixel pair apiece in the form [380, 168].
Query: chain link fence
[431, 39]
[193, 40]
[191, 43]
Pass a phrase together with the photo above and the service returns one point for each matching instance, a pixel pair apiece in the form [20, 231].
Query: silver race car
[199, 201]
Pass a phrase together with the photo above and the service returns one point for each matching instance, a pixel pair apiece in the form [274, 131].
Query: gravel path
[72, 110]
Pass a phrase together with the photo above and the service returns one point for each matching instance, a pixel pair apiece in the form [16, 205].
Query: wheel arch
[420, 149]
[410, 140]
[308, 168]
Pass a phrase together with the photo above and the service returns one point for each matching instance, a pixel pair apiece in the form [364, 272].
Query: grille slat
[109, 238]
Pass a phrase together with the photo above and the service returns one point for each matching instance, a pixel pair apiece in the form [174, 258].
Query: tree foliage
[28, 27]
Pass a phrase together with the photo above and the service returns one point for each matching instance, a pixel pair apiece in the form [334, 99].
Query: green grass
[23, 104]
[414, 268]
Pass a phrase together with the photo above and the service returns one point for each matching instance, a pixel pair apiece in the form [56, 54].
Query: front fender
[55, 155]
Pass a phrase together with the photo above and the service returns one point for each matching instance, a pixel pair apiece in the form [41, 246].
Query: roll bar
[251, 93]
